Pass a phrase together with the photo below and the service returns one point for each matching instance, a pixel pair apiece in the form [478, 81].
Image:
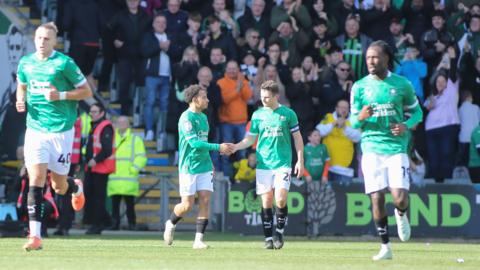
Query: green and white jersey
[389, 98]
[474, 160]
[315, 158]
[273, 127]
[60, 71]
[194, 157]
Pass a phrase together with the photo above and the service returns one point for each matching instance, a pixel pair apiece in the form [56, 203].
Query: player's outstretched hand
[227, 148]
[398, 129]
[299, 169]
[20, 105]
[365, 113]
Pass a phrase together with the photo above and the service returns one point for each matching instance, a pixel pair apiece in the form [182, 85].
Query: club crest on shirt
[50, 70]
[187, 125]
[393, 92]
[367, 92]
[282, 118]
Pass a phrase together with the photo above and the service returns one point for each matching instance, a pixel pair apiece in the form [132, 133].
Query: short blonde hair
[49, 26]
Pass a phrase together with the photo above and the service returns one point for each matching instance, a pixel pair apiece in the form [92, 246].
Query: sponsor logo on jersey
[386, 109]
[38, 88]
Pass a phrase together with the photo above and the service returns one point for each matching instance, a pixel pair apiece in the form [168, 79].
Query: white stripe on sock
[35, 228]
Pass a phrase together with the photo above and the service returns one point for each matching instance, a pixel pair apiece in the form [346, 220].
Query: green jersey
[315, 158]
[388, 99]
[474, 160]
[273, 127]
[59, 71]
[194, 157]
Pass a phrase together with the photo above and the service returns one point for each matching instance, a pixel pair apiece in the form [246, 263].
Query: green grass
[230, 251]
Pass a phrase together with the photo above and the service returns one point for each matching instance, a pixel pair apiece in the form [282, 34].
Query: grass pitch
[229, 251]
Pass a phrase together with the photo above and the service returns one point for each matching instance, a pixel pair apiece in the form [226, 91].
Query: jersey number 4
[64, 159]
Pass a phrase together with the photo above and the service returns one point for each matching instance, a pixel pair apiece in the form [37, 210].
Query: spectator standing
[107, 9]
[216, 63]
[434, 42]
[300, 94]
[257, 19]
[184, 75]
[339, 137]
[335, 88]
[82, 21]
[342, 12]
[205, 80]
[470, 73]
[414, 70]
[128, 27]
[354, 45]
[469, 116]
[375, 21]
[100, 158]
[418, 17]
[316, 158]
[156, 49]
[232, 114]
[176, 18]
[291, 9]
[474, 151]
[130, 159]
[217, 38]
[292, 40]
[442, 121]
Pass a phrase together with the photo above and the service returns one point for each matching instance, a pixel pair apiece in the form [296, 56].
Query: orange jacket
[234, 104]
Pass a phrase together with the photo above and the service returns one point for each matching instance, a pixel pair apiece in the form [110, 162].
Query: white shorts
[54, 149]
[382, 171]
[189, 184]
[273, 179]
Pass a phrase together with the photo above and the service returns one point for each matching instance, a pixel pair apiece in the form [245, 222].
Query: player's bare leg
[62, 184]
[282, 213]
[178, 212]
[202, 218]
[37, 176]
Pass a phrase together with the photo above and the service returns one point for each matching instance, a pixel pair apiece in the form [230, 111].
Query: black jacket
[150, 49]
[247, 21]
[106, 139]
[82, 20]
[130, 29]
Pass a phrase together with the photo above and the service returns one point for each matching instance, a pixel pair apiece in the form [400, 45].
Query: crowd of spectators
[314, 49]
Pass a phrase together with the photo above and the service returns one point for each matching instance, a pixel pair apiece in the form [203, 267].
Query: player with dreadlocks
[379, 101]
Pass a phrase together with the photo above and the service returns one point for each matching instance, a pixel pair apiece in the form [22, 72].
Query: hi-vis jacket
[130, 159]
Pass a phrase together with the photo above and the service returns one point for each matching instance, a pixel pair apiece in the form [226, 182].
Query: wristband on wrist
[62, 95]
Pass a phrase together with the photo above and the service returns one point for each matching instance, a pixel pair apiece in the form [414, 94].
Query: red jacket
[108, 165]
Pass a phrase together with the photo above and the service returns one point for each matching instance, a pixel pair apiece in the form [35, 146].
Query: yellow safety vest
[130, 158]
[86, 121]
[339, 146]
